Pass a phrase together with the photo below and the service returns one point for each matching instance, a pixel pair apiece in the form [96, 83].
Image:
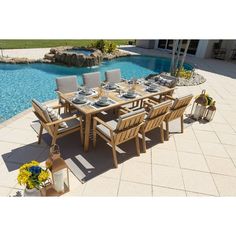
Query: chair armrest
[56, 106]
[124, 110]
[151, 102]
[169, 97]
[98, 120]
[62, 120]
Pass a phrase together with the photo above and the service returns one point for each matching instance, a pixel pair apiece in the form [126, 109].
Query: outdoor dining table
[116, 100]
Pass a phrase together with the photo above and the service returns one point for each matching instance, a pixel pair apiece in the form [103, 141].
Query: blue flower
[35, 170]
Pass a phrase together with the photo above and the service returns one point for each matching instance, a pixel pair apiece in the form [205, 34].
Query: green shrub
[104, 46]
[110, 47]
[187, 74]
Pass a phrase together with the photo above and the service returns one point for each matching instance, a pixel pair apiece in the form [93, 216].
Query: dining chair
[113, 76]
[116, 132]
[57, 126]
[176, 111]
[66, 84]
[154, 119]
[91, 80]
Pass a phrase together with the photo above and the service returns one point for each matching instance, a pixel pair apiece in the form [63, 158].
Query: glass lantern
[60, 176]
[210, 112]
[199, 106]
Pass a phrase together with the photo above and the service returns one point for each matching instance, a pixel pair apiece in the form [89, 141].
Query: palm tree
[178, 55]
[183, 57]
[175, 45]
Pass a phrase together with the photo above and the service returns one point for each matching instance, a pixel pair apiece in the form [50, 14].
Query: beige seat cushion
[70, 124]
[103, 129]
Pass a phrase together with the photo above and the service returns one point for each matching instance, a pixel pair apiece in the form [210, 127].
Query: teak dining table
[116, 99]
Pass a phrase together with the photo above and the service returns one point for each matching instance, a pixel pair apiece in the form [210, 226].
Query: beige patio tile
[144, 157]
[76, 187]
[167, 192]
[134, 189]
[3, 132]
[213, 149]
[199, 182]
[221, 166]
[188, 146]
[166, 176]
[225, 184]
[202, 126]
[231, 150]
[101, 186]
[169, 145]
[192, 194]
[165, 157]
[222, 128]
[206, 136]
[225, 138]
[192, 161]
[21, 136]
[4, 191]
[21, 124]
[136, 172]
[113, 173]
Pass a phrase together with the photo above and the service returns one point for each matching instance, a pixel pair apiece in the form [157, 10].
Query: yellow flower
[43, 176]
[23, 176]
[30, 184]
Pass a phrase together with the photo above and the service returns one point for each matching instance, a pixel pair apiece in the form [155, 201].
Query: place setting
[80, 99]
[103, 101]
[111, 86]
[87, 91]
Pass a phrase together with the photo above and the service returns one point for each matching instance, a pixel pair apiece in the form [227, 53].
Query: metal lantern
[210, 112]
[199, 106]
[60, 174]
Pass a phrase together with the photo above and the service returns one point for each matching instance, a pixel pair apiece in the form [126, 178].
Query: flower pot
[32, 192]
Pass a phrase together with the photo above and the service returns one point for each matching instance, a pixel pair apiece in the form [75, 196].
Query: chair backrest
[128, 125]
[113, 76]
[67, 84]
[156, 115]
[178, 107]
[92, 80]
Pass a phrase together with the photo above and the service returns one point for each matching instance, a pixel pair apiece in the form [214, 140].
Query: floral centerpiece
[33, 176]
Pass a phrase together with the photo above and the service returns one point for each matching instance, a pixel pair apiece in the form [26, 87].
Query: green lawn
[11, 44]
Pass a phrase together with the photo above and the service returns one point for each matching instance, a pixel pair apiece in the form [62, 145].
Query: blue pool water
[85, 52]
[20, 83]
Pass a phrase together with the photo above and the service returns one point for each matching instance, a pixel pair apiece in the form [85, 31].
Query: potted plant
[34, 177]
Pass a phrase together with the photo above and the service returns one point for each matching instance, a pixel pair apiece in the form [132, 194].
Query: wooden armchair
[176, 111]
[71, 123]
[154, 119]
[116, 132]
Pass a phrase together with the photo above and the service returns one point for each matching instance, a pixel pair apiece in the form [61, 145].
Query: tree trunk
[185, 53]
[174, 47]
[178, 54]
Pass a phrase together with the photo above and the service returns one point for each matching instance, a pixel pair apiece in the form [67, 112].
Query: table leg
[87, 131]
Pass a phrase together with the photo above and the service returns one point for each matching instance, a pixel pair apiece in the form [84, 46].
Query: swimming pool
[20, 83]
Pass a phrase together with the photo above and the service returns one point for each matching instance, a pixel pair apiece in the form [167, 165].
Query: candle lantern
[210, 112]
[199, 106]
[60, 174]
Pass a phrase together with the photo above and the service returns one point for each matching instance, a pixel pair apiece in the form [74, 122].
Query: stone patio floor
[199, 162]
